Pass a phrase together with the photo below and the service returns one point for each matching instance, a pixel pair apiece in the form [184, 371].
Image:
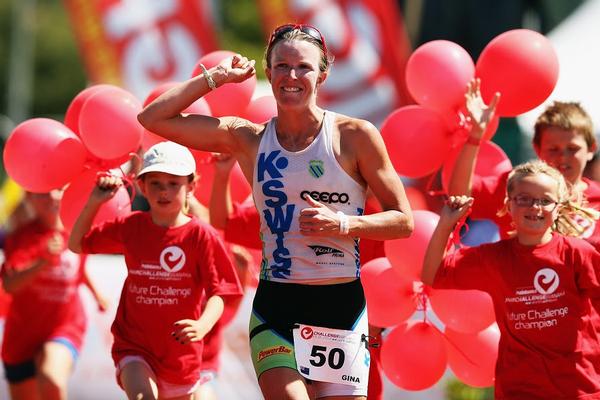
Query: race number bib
[332, 355]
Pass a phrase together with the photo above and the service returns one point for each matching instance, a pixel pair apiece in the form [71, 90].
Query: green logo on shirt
[315, 168]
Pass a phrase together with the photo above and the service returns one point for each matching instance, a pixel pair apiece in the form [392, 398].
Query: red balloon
[108, 123]
[417, 140]
[261, 109]
[74, 109]
[416, 198]
[413, 355]
[437, 74]
[520, 64]
[42, 154]
[472, 356]
[491, 161]
[231, 98]
[77, 194]
[391, 298]
[406, 255]
[239, 186]
[463, 310]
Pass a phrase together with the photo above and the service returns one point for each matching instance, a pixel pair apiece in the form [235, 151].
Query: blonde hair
[569, 116]
[569, 210]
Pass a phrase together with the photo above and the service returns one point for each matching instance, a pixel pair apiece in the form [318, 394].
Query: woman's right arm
[453, 211]
[104, 190]
[163, 116]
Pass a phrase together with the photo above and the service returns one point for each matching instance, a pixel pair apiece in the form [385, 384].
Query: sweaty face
[533, 204]
[294, 72]
[566, 151]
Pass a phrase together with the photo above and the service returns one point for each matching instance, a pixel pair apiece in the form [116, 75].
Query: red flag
[138, 44]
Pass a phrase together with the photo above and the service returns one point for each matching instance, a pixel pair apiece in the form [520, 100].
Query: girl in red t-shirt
[46, 322]
[173, 261]
[543, 285]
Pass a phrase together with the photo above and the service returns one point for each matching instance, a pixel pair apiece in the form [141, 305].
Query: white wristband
[209, 79]
[344, 223]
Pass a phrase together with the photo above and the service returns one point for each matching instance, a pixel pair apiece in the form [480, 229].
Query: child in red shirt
[46, 322]
[564, 138]
[173, 260]
[542, 284]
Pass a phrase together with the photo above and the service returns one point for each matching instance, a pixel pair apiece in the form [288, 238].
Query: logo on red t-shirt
[172, 259]
[546, 281]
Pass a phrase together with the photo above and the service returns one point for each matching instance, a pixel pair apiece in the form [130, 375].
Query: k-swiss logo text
[172, 259]
[326, 197]
[278, 214]
[546, 281]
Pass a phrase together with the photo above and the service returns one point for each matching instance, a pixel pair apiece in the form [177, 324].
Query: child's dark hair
[567, 116]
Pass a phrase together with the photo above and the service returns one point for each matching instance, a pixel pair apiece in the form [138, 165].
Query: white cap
[168, 157]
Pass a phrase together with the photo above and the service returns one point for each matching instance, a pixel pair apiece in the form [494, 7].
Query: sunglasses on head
[304, 28]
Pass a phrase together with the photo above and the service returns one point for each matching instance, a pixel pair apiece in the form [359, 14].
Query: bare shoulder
[355, 130]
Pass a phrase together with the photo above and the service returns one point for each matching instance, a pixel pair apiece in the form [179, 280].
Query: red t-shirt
[50, 305]
[549, 347]
[489, 194]
[169, 270]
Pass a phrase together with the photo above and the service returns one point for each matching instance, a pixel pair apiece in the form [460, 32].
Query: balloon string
[455, 346]
[455, 236]
[421, 299]
[429, 186]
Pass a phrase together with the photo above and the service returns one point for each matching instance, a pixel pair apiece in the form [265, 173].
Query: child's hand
[106, 187]
[480, 114]
[224, 162]
[188, 331]
[455, 208]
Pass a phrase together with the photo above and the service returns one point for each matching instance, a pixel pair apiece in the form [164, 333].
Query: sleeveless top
[282, 179]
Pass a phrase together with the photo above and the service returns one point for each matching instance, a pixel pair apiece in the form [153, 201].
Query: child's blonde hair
[569, 211]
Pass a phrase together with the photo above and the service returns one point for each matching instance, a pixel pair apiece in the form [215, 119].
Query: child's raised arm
[105, 189]
[480, 115]
[456, 207]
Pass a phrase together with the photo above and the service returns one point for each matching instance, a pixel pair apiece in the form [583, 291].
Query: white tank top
[282, 178]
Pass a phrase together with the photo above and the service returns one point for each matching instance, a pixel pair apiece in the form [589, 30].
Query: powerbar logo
[272, 351]
[323, 250]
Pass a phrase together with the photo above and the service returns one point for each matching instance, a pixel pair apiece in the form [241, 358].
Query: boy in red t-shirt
[173, 260]
[543, 285]
[564, 138]
[45, 323]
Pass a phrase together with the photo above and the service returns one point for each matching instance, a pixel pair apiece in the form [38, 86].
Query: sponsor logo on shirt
[324, 250]
[277, 213]
[546, 281]
[272, 351]
[172, 259]
[326, 197]
[525, 312]
[316, 169]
